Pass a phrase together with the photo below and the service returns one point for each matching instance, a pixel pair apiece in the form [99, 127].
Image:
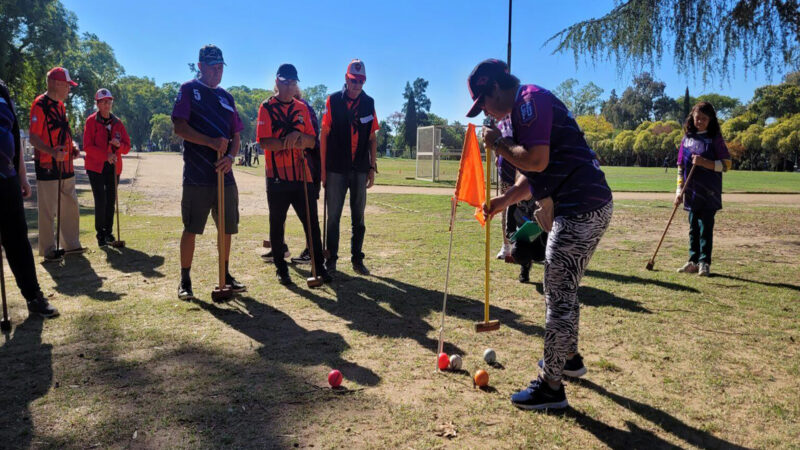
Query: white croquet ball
[455, 362]
[489, 356]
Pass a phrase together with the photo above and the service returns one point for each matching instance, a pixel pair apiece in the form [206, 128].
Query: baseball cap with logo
[356, 70]
[103, 94]
[287, 72]
[481, 80]
[211, 54]
[60, 74]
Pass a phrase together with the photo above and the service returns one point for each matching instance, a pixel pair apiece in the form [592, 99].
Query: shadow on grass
[792, 287]
[359, 299]
[638, 438]
[74, 276]
[632, 279]
[589, 296]
[26, 376]
[128, 260]
[285, 341]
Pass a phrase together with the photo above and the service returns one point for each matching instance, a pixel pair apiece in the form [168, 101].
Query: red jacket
[96, 142]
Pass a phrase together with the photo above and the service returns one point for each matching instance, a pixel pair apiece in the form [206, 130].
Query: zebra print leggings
[570, 246]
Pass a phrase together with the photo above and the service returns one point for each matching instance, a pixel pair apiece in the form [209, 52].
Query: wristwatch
[230, 156]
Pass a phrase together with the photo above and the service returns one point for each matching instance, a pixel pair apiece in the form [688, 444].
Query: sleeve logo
[527, 112]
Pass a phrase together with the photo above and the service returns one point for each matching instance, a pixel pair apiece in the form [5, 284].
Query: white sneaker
[689, 267]
[504, 250]
[704, 269]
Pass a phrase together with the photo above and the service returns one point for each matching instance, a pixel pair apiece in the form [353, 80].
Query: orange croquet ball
[444, 361]
[481, 378]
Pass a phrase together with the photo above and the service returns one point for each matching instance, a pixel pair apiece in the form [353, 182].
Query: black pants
[701, 236]
[279, 202]
[14, 232]
[104, 192]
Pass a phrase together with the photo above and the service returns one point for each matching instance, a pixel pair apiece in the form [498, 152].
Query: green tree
[645, 100]
[645, 146]
[93, 66]
[411, 118]
[316, 97]
[723, 104]
[762, 35]
[583, 101]
[383, 136]
[248, 101]
[162, 133]
[623, 145]
[136, 100]
[775, 101]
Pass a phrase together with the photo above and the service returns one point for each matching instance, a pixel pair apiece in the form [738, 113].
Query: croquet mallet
[119, 243]
[314, 281]
[652, 261]
[222, 292]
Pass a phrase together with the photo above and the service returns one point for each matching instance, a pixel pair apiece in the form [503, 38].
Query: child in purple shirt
[704, 147]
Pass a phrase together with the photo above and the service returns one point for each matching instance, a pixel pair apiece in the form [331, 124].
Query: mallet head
[266, 244]
[314, 282]
[649, 265]
[491, 325]
[118, 244]
[5, 325]
[220, 295]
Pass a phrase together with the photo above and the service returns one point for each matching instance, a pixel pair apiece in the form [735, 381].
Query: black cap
[287, 72]
[480, 82]
[211, 55]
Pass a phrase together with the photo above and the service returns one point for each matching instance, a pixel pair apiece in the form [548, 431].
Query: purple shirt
[213, 113]
[704, 191]
[572, 178]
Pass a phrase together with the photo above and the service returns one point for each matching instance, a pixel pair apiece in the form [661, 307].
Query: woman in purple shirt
[539, 136]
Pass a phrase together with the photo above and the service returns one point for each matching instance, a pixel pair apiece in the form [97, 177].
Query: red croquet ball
[335, 378]
[444, 361]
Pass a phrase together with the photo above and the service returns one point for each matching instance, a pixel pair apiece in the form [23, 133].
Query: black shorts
[198, 201]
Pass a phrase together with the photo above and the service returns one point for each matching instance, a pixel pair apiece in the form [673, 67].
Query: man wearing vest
[53, 159]
[349, 151]
[286, 133]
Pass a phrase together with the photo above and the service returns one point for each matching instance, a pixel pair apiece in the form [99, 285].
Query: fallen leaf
[447, 430]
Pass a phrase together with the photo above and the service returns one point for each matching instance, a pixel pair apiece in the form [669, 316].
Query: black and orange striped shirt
[276, 119]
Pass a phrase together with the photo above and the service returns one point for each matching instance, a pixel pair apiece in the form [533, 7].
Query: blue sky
[438, 40]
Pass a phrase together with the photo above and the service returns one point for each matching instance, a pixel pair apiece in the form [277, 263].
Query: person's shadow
[129, 260]
[26, 376]
[633, 279]
[283, 340]
[74, 276]
[792, 287]
[360, 300]
[589, 296]
[637, 437]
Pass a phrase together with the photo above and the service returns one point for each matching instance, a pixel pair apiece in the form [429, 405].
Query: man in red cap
[349, 147]
[53, 160]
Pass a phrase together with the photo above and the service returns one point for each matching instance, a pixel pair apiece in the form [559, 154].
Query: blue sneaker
[572, 367]
[538, 395]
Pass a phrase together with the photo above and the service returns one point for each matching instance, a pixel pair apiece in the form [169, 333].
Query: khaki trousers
[47, 193]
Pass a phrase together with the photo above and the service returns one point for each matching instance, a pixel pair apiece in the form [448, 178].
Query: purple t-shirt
[704, 191]
[211, 112]
[572, 178]
[7, 145]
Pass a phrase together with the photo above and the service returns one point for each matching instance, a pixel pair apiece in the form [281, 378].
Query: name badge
[366, 119]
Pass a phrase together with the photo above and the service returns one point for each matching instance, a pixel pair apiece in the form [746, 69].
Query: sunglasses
[288, 82]
[355, 81]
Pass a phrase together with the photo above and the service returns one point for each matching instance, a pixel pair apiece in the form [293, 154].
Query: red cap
[356, 70]
[60, 74]
[102, 94]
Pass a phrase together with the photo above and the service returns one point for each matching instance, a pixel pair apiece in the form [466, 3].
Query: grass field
[401, 172]
[673, 360]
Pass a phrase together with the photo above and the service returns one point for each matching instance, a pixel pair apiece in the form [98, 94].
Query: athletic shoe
[689, 267]
[76, 251]
[110, 238]
[504, 250]
[185, 290]
[326, 277]
[102, 241]
[330, 267]
[573, 367]
[360, 268]
[269, 257]
[524, 273]
[304, 258]
[39, 305]
[235, 285]
[284, 278]
[539, 395]
[704, 269]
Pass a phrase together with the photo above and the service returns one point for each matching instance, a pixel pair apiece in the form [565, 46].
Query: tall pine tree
[686, 104]
[411, 120]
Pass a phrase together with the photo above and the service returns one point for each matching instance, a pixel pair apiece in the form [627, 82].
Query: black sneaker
[304, 258]
[524, 273]
[102, 241]
[39, 305]
[539, 395]
[185, 290]
[284, 278]
[572, 367]
[235, 285]
[330, 267]
[110, 238]
[54, 255]
[326, 277]
[269, 256]
[360, 268]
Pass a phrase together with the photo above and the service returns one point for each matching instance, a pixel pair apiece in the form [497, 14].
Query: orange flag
[471, 187]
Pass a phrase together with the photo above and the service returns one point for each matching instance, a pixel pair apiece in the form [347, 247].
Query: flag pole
[454, 204]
